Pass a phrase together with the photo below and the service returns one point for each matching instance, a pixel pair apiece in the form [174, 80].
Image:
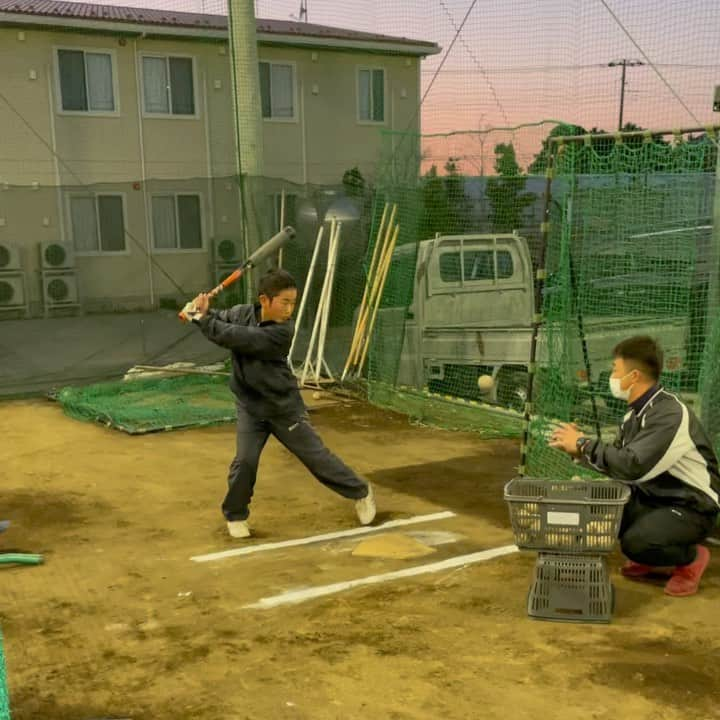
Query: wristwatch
[581, 444]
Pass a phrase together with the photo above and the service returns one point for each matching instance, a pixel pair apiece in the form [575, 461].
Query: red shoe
[685, 579]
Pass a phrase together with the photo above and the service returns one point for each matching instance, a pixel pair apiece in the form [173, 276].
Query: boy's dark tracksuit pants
[301, 439]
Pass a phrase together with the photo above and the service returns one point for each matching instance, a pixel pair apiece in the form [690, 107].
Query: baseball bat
[262, 253]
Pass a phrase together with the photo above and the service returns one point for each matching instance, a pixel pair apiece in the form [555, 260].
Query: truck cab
[471, 314]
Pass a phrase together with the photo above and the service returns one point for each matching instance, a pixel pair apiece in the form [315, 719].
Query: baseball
[485, 383]
[316, 395]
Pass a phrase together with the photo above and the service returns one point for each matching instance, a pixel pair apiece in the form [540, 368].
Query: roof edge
[399, 47]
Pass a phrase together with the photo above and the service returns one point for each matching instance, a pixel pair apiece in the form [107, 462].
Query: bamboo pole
[371, 271]
[385, 270]
[178, 371]
[306, 290]
[364, 313]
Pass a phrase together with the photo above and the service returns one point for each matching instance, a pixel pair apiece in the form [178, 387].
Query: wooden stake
[306, 290]
[332, 258]
[308, 365]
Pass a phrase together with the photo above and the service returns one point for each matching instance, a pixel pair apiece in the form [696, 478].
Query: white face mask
[616, 390]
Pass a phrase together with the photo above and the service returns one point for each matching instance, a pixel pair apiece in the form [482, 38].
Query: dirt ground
[119, 623]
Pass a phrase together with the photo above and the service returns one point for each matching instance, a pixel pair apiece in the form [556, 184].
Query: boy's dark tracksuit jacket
[261, 379]
[663, 451]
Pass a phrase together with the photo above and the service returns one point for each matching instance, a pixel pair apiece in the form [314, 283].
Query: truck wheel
[512, 389]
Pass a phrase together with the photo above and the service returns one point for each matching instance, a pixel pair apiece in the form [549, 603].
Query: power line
[510, 70]
[442, 63]
[654, 66]
[477, 62]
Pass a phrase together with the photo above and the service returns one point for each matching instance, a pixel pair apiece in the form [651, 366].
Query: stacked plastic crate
[574, 526]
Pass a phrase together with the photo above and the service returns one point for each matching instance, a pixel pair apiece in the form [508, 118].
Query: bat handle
[187, 312]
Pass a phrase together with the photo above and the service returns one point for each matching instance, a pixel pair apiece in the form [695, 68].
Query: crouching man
[664, 454]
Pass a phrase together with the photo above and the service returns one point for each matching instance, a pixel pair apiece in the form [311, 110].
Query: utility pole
[624, 64]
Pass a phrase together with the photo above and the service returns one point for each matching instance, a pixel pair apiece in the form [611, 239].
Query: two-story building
[117, 133]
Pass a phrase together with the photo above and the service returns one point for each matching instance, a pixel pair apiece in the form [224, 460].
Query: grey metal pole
[622, 95]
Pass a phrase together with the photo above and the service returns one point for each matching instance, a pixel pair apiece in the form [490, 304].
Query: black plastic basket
[569, 516]
[571, 588]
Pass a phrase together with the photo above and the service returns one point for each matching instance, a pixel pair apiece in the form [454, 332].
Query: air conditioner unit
[56, 256]
[12, 291]
[227, 251]
[9, 257]
[60, 290]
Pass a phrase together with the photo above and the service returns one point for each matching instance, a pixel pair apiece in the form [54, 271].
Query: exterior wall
[135, 155]
[335, 140]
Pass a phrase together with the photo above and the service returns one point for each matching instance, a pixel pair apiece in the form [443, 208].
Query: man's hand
[565, 438]
[202, 304]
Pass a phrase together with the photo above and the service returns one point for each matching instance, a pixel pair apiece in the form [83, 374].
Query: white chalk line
[250, 549]
[294, 597]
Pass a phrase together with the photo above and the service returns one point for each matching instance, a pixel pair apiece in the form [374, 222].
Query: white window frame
[169, 115]
[94, 195]
[58, 88]
[174, 195]
[438, 286]
[295, 117]
[359, 120]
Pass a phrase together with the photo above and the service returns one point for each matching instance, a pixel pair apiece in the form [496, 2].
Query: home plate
[393, 546]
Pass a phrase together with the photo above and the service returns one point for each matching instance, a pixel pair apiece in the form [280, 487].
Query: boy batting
[268, 399]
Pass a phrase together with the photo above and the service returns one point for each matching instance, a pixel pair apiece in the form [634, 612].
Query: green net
[619, 241]
[4, 697]
[455, 322]
[631, 251]
[146, 404]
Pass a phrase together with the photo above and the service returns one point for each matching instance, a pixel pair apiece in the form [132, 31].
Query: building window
[168, 86]
[177, 223]
[277, 90]
[371, 94]
[86, 81]
[477, 265]
[98, 223]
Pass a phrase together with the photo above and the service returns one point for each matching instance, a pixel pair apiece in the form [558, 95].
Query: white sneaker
[365, 507]
[238, 528]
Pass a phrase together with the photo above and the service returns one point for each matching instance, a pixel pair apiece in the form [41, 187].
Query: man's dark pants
[661, 534]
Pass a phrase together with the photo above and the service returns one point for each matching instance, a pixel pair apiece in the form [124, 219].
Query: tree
[505, 192]
[539, 165]
[459, 207]
[354, 182]
[446, 208]
[436, 208]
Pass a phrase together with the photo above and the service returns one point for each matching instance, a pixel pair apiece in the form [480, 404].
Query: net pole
[566, 139]
[578, 309]
[242, 34]
[705, 409]
[540, 276]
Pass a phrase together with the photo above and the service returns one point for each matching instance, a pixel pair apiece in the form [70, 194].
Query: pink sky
[522, 61]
